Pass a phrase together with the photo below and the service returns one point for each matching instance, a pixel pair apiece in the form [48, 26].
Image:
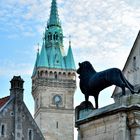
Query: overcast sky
[102, 31]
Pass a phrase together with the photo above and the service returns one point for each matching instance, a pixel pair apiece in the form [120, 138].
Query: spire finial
[69, 40]
[37, 47]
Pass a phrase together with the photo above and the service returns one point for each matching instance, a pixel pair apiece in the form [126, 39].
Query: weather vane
[69, 40]
[38, 48]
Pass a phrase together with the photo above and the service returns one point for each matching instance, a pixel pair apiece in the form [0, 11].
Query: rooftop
[4, 100]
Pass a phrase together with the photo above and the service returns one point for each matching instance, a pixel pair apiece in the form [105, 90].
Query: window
[55, 75]
[30, 134]
[49, 36]
[51, 74]
[46, 73]
[3, 130]
[134, 63]
[57, 125]
[61, 37]
[54, 37]
[11, 113]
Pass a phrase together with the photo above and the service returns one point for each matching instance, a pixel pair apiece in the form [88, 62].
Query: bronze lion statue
[92, 82]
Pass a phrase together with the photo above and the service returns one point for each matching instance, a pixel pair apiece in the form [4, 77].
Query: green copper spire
[43, 60]
[70, 64]
[36, 63]
[54, 17]
[52, 54]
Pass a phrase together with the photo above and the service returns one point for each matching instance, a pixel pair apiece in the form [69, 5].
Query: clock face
[57, 99]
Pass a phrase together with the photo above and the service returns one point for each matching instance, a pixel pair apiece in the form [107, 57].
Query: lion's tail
[128, 85]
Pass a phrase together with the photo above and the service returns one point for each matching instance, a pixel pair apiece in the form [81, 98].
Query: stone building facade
[118, 121]
[16, 122]
[54, 83]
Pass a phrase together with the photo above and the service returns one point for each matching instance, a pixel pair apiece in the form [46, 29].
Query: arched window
[46, 73]
[64, 75]
[74, 76]
[69, 74]
[55, 75]
[51, 74]
[56, 36]
[41, 74]
[61, 37]
[49, 36]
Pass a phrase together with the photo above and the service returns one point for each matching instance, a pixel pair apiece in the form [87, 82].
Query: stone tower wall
[55, 121]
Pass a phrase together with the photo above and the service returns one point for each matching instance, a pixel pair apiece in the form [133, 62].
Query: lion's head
[84, 67]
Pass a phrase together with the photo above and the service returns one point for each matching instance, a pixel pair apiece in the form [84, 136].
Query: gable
[30, 124]
[131, 68]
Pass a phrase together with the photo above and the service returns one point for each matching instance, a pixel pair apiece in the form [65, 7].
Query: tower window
[55, 75]
[57, 125]
[51, 74]
[49, 36]
[46, 73]
[69, 74]
[41, 74]
[61, 37]
[54, 36]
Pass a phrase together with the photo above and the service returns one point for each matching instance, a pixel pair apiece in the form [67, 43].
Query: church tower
[54, 83]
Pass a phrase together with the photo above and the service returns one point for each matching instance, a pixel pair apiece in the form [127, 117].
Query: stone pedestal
[118, 121]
